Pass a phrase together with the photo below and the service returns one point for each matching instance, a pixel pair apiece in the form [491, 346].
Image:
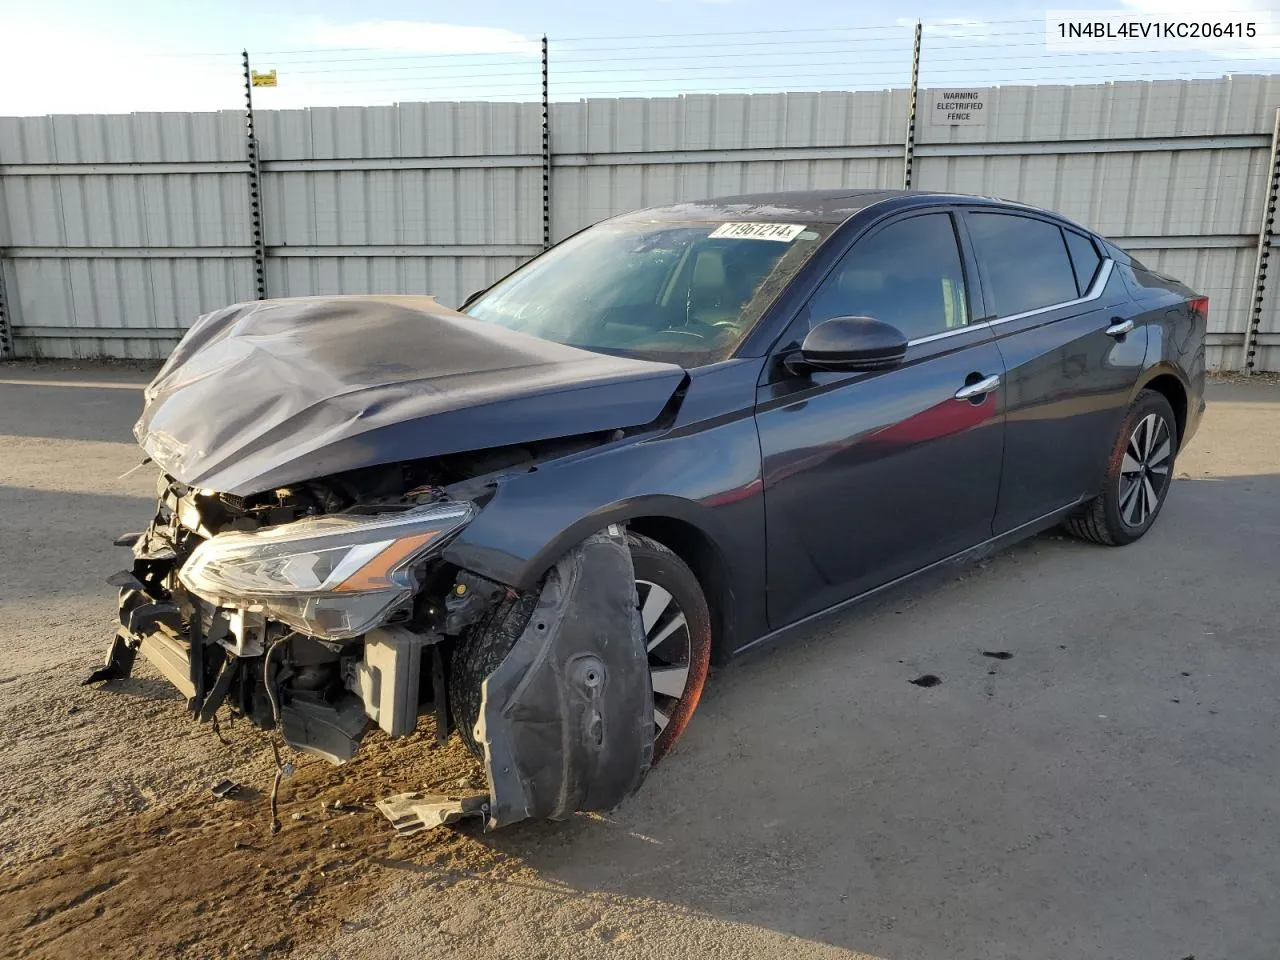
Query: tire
[656, 564]
[1123, 511]
[487, 642]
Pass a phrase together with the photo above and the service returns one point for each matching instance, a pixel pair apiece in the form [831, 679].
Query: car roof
[813, 206]
[823, 206]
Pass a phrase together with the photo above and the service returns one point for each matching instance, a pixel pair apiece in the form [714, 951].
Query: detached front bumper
[566, 717]
[216, 659]
[320, 694]
[140, 630]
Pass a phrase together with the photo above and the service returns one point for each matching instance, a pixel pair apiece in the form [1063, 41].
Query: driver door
[872, 476]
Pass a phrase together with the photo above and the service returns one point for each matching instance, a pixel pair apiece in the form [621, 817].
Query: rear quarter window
[1084, 259]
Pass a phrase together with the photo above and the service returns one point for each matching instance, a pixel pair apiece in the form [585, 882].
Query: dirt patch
[49, 365]
[1238, 376]
[206, 878]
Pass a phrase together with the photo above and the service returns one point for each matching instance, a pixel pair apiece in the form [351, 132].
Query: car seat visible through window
[710, 300]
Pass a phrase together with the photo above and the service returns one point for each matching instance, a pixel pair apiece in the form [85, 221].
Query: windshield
[683, 292]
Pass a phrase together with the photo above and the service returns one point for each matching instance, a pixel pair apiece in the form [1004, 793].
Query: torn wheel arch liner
[566, 718]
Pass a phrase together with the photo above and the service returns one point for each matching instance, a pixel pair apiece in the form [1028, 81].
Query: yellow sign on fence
[267, 79]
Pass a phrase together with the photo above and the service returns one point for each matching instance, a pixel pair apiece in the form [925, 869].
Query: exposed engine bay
[322, 608]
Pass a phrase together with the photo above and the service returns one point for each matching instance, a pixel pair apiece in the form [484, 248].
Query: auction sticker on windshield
[784, 232]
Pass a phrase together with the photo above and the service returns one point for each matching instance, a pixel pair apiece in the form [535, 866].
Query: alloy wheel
[670, 649]
[1144, 471]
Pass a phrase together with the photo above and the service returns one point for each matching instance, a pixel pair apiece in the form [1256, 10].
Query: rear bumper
[1195, 413]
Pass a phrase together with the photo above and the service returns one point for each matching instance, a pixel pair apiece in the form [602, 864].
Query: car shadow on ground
[144, 688]
[1065, 797]
[58, 545]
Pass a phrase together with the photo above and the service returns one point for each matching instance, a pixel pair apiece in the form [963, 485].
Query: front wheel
[677, 628]
[1139, 474]
[677, 636]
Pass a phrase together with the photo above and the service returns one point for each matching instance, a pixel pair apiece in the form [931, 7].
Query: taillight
[1200, 307]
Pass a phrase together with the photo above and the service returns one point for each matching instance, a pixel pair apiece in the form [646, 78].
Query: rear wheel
[1139, 474]
[677, 628]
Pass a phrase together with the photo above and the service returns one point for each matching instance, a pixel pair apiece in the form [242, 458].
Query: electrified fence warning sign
[959, 107]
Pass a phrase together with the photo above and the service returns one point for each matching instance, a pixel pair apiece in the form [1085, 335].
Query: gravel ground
[1105, 791]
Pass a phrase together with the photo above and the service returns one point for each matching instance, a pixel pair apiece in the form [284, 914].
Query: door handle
[972, 390]
[1119, 327]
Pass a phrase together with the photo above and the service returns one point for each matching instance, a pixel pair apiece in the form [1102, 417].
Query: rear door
[871, 476]
[1072, 355]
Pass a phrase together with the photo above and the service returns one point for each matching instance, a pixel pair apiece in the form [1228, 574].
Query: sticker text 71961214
[783, 232]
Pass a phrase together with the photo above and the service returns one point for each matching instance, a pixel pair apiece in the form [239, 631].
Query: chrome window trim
[1095, 291]
[949, 333]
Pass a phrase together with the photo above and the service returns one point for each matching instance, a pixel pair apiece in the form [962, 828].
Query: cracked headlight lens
[335, 576]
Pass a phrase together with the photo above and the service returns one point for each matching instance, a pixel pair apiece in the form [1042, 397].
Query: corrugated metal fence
[117, 231]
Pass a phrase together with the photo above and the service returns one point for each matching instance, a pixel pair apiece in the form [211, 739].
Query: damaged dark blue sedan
[677, 434]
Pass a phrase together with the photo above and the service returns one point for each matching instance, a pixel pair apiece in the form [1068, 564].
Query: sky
[78, 56]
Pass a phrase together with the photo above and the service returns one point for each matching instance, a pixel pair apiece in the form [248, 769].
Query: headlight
[334, 576]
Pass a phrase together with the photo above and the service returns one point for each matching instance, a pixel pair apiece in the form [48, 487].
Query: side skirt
[968, 555]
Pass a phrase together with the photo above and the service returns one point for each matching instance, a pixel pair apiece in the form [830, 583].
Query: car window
[680, 291]
[1024, 260]
[908, 274]
[1084, 259]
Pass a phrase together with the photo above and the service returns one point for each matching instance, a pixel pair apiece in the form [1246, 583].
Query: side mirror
[849, 343]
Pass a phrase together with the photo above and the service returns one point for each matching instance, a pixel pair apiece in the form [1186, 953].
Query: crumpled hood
[263, 394]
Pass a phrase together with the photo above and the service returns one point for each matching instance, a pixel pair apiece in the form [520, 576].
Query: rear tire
[1139, 474]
